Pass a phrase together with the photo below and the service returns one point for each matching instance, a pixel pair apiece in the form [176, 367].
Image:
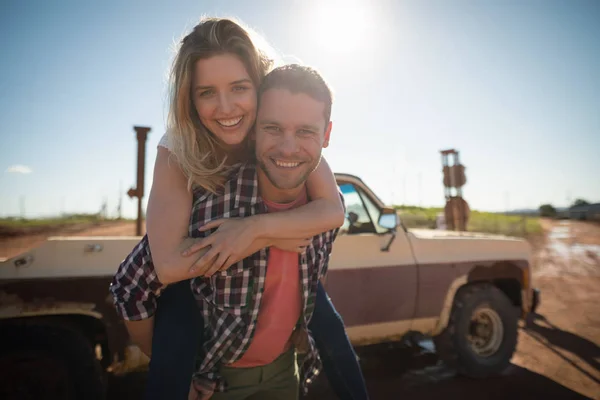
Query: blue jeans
[178, 327]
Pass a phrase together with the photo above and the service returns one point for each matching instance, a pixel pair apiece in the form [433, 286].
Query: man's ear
[327, 134]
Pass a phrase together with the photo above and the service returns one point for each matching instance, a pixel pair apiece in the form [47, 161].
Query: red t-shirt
[281, 303]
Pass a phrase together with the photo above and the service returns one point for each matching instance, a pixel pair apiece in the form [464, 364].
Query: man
[292, 128]
[254, 308]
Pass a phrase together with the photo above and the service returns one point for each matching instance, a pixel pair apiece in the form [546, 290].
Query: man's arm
[135, 289]
[141, 333]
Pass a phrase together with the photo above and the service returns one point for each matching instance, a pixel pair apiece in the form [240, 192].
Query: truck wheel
[481, 335]
[48, 362]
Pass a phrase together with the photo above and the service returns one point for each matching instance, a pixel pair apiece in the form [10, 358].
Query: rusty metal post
[142, 134]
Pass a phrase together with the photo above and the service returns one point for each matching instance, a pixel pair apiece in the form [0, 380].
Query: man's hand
[198, 392]
[299, 339]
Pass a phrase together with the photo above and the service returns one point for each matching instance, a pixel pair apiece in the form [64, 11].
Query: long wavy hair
[196, 149]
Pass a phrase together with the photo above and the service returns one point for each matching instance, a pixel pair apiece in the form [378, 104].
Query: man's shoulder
[243, 173]
[240, 184]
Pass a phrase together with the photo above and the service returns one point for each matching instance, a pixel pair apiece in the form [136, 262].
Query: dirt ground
[10, 247]
[558, 356]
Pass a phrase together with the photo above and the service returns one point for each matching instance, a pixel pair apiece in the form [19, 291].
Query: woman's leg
[337, 354]
[178, 327]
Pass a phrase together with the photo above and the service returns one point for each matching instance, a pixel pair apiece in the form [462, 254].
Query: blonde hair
[195, 148]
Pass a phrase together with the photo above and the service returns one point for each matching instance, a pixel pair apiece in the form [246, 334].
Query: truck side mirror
[389, 219]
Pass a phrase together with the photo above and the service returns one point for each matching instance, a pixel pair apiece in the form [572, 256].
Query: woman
[213, 107]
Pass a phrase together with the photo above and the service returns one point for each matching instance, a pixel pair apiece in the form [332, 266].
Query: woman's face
[224, 97]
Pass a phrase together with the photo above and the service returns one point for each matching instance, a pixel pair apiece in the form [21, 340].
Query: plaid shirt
[230, 300]
[135, 286]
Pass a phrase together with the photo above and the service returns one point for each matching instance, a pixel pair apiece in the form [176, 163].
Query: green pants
[278, 380]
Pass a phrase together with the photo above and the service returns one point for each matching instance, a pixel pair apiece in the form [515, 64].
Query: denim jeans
[178, 327]
[340, 363]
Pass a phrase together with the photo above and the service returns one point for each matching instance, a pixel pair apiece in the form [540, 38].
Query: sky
[512, 85]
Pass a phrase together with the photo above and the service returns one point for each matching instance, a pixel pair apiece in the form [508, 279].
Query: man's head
[293, 124]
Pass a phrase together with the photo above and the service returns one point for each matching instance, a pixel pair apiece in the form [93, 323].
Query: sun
[342, 26]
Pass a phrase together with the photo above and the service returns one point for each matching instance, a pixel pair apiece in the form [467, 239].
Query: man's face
[291, 131]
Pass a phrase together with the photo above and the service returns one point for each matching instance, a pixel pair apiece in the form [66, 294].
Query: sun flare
[342, 26]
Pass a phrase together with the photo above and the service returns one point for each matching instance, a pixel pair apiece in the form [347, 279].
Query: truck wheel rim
[485, 331]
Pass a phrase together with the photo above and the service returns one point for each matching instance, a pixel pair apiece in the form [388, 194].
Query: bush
[547, 210]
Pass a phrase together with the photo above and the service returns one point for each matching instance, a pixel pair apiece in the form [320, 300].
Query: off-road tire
[452, 344]
[64, 354]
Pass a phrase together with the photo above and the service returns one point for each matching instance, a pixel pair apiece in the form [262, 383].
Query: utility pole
[142, 135]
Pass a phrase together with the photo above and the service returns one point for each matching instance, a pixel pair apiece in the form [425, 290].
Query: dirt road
[558, 355]
[10, 247]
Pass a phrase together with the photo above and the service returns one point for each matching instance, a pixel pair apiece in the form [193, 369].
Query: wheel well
[91, 328]
[511, 288]
[506, 276]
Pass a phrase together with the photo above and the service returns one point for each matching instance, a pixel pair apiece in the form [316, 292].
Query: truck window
[358, 218]
[373, 210]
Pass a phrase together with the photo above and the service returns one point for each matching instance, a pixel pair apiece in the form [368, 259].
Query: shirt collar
[246, 188]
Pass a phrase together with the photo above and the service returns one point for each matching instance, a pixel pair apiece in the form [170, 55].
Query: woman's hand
[234, 240]
[228, 245]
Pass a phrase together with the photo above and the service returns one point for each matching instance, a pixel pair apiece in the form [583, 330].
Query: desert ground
[558, 355]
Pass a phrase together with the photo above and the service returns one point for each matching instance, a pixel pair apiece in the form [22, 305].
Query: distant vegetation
[13, 226]
[412, 217]
[64, 220]
[580, 202]
[496, 223]
[548, 210]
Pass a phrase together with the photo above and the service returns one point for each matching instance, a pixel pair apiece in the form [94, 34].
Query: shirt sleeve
[164, 141]
[135, 286]
[328, 239]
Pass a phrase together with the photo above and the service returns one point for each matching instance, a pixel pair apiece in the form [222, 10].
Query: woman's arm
[167, 225]
[168, 218]
[322, 213]
[234, 238]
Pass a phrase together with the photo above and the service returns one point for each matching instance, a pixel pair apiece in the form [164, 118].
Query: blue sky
[513, 85]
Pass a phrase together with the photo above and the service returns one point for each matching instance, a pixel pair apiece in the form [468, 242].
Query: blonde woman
[213, 105]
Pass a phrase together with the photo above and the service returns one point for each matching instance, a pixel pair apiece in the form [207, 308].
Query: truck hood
[438, 246]
[434, 233]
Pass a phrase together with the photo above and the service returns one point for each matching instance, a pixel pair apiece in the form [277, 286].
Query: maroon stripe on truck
[386, 294]
[373, 295]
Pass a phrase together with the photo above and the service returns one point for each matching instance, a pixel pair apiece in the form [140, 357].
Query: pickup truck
[467, 291]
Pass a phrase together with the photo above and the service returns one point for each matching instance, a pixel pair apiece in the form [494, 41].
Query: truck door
[374, 290]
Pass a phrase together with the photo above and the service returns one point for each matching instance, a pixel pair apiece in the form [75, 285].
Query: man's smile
[286, 164]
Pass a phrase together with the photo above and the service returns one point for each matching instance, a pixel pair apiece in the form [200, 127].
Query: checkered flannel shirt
[230, 300]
